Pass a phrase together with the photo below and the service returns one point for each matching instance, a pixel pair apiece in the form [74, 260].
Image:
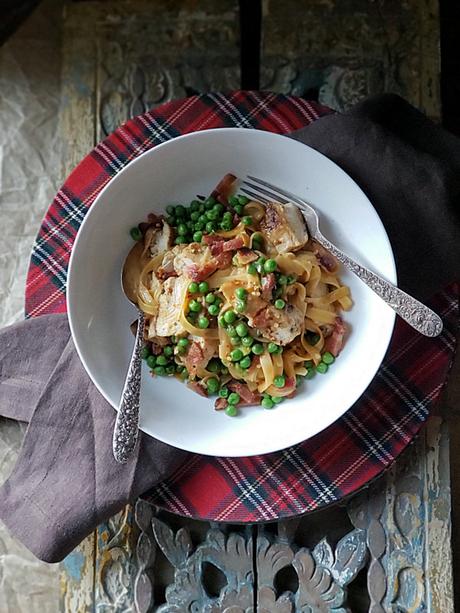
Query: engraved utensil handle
[126, 429]
[419, 316]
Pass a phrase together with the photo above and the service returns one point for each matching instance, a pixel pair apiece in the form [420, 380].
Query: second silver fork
[418, 315]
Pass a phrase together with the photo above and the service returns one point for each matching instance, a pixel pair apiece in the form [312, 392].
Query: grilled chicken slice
[167, 322]
[280, 326]
[284, 227]
[158, 238]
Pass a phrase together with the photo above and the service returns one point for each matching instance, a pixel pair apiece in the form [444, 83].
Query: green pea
[226, 226]
[203, 322]
[170, 369]
[328, 358]
[230, 316]
[190, 226]
[212, 215]
[280, 304]
[238, 209]
[162, 360]
[246, 220]
[136, 234]
[231, 330]
[236, 355]
[257, 237]
[279, 381]
[181, 240]
[210, 298]
[203, 287]
[272, 348]
[168, 351]
[194, 205]
[257, 349]
[159, 370]
[313, 338]
[247, 341]
[181, 350]
[322, 368]
[203, 219]
[194, 306]
[171, 221]
[233, 200]
[245, 362]
[267, 403]
[170, 209]
[243, 200]
[197, 236]
[290, 279]
[151, 361]
[179, 367]
[221, 321]
[310, 373]
[270, 265]
[233, 398]
[213, 309]
[193, 287]
[241, 293]
[240, 306]
[282, 280]
[210, 202]
[145, 353]
[183, 342]
[180, 210]
[235, 340]
[219, 208]
[199, 226]
[308, 364]
[211, 226]
[213, 365]
[231, 410]
[252, 270]
[195, 216]
[223, 392]
[224, 370]
[212, 385]
[227, 216]
[277, 399]
[298, 380]
[242, 329]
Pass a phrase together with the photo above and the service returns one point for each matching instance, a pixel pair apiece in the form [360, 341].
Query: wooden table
[117, 60]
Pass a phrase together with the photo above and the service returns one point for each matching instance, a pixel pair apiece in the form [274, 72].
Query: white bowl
[175, 172]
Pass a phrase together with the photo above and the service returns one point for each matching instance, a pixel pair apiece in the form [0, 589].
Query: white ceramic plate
[175, 172]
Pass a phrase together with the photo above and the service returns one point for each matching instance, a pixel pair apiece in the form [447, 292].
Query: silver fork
[416, 314]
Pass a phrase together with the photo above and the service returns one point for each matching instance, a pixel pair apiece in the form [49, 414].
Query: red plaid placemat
[336, 462]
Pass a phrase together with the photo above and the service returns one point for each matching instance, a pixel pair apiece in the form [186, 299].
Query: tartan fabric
[336, 462]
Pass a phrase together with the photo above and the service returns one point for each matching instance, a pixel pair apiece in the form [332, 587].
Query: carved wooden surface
[120, 58]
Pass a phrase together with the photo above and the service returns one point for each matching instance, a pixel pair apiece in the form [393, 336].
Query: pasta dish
[239, 301]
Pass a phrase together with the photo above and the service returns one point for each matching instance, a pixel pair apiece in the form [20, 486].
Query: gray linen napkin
[65, 481]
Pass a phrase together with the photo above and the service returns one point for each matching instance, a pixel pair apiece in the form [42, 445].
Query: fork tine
[267, 192]
[254, 195]
[277, 190]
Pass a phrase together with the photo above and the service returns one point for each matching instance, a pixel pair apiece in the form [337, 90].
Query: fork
[419, 316]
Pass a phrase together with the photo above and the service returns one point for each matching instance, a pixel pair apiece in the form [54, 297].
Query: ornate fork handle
[418, 315]
[126, 429]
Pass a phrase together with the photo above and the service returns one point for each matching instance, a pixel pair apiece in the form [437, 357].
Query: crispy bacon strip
[334, 342]
[247, 397]
[223, 189]
[326, 259]
[198, 389]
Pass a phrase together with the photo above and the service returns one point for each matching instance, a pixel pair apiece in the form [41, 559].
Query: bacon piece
[326, 259]
[246, 255]
[247, 397]
[220, 404]
[234, 243]
[268, 285]
[200, 273]
[223, 189]
[197, 388]
[223, 260]
[334, 342]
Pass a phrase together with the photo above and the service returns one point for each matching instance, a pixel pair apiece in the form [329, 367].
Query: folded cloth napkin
[66, 480]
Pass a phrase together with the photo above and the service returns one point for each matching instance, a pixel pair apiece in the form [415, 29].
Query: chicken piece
[196, 262]
[284, 227]
[157, 238]
[280, 326]
[166, 269]
[167, 322]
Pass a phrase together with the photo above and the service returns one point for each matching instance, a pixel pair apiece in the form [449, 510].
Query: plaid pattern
[336, 462]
